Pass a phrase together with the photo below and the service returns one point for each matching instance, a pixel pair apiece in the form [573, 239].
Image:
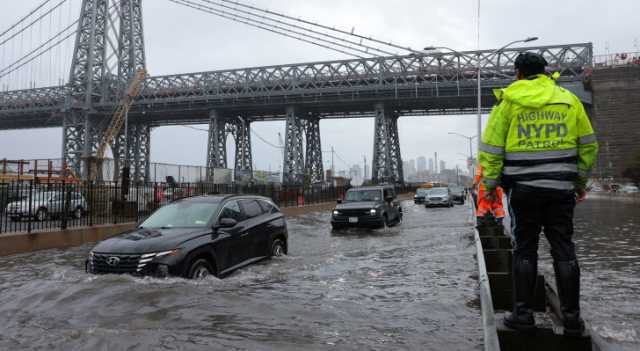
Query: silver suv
[42, 205]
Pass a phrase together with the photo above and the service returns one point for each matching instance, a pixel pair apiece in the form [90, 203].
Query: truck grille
[435, 199]
[354, 213]
[114, 263]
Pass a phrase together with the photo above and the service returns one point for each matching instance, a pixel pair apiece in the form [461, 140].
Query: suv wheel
[200, 269]
[277, 248]
[41, 215]
[77, 213]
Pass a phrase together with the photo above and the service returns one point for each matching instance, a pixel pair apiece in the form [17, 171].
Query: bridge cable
[9, 69]
[40, 47]
[390, 44]
[25, 18]
[30, 24]
[272, 19]
[235, 19]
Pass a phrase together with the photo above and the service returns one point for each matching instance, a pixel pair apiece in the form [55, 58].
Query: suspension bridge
[64, 70]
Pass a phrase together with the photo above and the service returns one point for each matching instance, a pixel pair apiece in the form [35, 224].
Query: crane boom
[121, 111]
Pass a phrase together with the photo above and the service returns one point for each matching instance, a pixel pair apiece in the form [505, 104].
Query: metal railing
[27, 207]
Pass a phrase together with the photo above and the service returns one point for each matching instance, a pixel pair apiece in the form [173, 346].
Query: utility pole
[333, 165]
[365, 167]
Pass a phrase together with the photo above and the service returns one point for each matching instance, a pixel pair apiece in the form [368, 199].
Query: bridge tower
[219, 128]
[108, 30]
[387, 161]
[313, 166]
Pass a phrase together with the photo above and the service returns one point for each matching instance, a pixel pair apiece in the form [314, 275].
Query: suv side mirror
[339, 201]
[227, 223]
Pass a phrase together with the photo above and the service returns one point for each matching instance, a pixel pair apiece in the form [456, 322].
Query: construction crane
[116, 123]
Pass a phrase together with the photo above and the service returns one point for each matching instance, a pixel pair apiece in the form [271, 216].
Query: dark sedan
[196, 237]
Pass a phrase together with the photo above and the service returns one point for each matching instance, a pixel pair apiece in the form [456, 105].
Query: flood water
[412, 287]
[608, 245]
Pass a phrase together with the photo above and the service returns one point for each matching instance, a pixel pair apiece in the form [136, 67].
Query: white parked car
[42, 205]
[629, 189]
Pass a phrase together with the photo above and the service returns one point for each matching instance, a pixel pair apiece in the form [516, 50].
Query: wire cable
[266, 17]
[25, 17]
[390, 44]
[234, 18]
[32, 23]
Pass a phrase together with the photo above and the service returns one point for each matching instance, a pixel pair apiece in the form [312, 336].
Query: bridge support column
[73, 140]
[387, 160]
[136, 149]
[244, 161]
[313, 167]
[293, 168]
[217, 145]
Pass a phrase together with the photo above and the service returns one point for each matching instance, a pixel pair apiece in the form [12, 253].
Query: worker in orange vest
[487, 203]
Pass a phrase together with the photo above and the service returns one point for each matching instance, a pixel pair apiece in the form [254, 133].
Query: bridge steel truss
[380, 87]
[92, 84]
[220, 127]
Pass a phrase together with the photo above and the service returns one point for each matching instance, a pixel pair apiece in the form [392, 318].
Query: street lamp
[470, 138]
[479, 67]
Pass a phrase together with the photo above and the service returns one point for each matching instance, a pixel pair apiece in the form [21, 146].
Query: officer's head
[529, 64]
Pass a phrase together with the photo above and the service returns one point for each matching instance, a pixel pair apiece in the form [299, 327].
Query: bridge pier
[313, 167]
[293, 168]
[73, 140]
[219, 128]
[244, 160]
[387, 160]
[217, 148]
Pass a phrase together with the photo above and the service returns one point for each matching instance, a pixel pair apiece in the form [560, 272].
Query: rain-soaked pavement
[608, 244]
[411, 287]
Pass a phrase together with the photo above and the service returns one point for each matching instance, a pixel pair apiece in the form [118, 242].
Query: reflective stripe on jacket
[538, 135]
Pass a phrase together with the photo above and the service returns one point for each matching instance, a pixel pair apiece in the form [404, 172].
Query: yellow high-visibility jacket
[538, 135]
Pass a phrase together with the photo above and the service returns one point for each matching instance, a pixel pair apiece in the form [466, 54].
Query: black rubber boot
[568, 283]
[525, 272]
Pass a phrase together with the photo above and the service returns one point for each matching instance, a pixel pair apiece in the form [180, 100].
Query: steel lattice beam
[408, 77]
[244, 161]
[387, 161]
[313, 166]
[293, 149]
[217, 144]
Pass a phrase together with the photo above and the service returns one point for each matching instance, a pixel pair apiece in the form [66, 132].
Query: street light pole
[470, 138]
[479, 75]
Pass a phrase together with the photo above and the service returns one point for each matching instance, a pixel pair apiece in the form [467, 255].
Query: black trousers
[533, 211]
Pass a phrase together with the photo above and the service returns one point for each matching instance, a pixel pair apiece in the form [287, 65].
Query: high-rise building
[431, 166]
[442, 166]
[435, 163]
[422, 164]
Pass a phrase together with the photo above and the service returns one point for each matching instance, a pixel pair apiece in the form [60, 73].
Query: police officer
[540, 146]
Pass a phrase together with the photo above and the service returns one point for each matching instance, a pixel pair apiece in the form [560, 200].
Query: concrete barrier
[11, 244]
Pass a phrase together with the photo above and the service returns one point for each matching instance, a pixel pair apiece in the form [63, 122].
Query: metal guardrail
[491, 341]
[617, 59]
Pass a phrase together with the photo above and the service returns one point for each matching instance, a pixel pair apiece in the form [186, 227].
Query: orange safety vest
[484, 205]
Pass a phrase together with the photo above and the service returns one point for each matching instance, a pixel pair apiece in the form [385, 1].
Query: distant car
[196, 237]
[418, 198]
[629, 189]
[439, 197]
[374, 206]
[43, 205]
[458, 194]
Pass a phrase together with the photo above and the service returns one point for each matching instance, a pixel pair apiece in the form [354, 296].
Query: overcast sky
[180, 40]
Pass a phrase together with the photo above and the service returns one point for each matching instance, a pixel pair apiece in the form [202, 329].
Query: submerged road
[411, 287]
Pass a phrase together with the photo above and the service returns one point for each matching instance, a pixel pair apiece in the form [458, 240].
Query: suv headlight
[336, 212]
[373, 211]
[147, 258]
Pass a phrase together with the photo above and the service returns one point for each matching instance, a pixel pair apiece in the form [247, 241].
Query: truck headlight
[373, 212]
[336, 212]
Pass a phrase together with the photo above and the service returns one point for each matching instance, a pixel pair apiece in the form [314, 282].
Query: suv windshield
[438, 191]
[184, 214]
[364, 195]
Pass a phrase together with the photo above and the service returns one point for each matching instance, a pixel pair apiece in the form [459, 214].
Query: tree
[633, 169]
